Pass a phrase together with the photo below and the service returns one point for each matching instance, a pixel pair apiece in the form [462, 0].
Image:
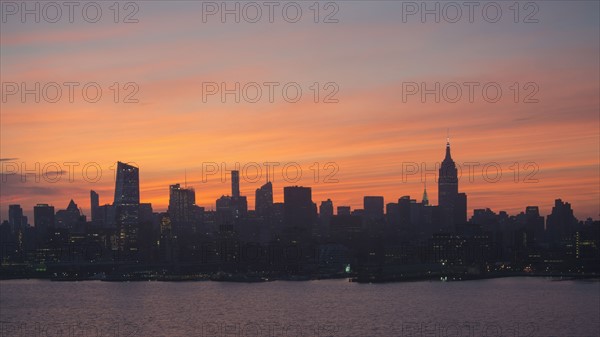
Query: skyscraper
[404, 212]
[264, 199]
[373, 208]
[95, 206]
[43, 219]
[70, 217]
[231, 209]
[326, 210]
[298, 206]
[235, 184]
[425, 199]
[534, 222]
[560, 224]
[224, 212]
[239, 204]
[15, 218]
[127, 205]
[299, 209]
[325, 214]
[453, 205]
[181, 206]
[447, 181]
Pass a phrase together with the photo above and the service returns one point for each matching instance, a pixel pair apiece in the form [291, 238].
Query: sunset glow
[370, 134]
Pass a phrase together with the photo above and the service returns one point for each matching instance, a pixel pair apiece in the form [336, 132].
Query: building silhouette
[235, 184]
[326, 212]
[343, 210]
[181, 207]
[239, 203]
[560, 223]
[69, 217]
[534, 223]
[95, 207]
[147, 214]
[373, 206]
[452, 204]
[404, 212]
[232, 209]
[127, 205]
[43, 219]
[410, 239]
[263, 202]
[299, 209]
[425, 199]
[16, 219]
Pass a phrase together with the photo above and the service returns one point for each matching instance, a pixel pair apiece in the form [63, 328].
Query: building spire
[425, 200]
[448, 156]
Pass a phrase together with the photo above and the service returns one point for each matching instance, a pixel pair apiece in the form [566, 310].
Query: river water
[496, 307]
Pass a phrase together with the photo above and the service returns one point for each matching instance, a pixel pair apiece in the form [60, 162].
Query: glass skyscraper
[127, 205]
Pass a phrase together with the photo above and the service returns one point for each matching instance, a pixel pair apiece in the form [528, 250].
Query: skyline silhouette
[348, 168]
[465, 176]
[381, 240]
[368, 133]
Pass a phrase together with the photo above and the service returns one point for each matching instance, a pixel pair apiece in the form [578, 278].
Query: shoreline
[300, 278]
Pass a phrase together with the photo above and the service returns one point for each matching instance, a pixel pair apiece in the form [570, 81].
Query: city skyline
[447, 170]
[380, 239]
[314, 168]
[369, 132]
[506, 194]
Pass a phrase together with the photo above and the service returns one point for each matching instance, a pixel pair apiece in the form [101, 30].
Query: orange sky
[368, 134]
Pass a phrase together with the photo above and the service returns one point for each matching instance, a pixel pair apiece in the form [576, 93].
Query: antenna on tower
[448, 135]
[185, 178]
[425, 199]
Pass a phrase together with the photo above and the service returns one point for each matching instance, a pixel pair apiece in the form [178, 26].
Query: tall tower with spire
[447, 180]
[425, 200]
[452, 204]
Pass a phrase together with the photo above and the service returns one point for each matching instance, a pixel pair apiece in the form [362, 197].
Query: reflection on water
[496, 307]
